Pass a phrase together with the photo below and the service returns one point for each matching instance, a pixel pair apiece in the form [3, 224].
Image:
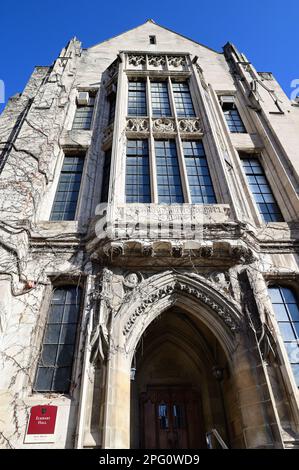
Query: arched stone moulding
[218, 312]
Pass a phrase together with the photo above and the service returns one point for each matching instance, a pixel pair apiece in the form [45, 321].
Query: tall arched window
[286, 308]
[55, 364]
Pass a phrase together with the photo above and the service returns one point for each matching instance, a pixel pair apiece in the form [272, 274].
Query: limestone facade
[174, 296]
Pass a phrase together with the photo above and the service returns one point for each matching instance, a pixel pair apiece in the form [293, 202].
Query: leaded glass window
[261, 190]
[83, 116]
[286, 309]
[137, 172]
[137, 99]
[182, 99]
[160, 99]
[233, 118]
[168, 172]
[66, 197]
[55, 364]
[199, 179]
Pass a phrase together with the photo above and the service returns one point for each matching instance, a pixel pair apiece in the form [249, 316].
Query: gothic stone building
[149, 250]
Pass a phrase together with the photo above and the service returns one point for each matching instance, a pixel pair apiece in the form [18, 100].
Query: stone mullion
[152, 159]
[180, 151]
[117, 172]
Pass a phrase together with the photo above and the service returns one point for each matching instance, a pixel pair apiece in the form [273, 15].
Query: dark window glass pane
[178, 415]
[52, 334]
[65, 202]
[286, 308]
[83, 117]
[160, 99]
[233, 118]
[168, 173]
[262, 193]
[62, 379]
[137, 99]
[55, 363]
[182, 99]
[163, 416]
[137, 172]
[200, 185]
[49, 354]
[44, 377]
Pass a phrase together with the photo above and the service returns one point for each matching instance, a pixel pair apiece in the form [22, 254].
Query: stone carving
[147, 249]
[177, 287]
[156, 60]
[176, 61]
[206, 251]
[113, 249]
[108, 132]
[201, 77]
[177, 251]
[190, 125]
[244, 254]
[131, 280]
[137, 125]
[163, 125]
[219, 278]
[136, 60]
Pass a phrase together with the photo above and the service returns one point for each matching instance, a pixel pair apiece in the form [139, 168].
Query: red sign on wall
[41, 425]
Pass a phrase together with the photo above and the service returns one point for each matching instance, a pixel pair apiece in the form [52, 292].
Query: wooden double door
[171, 418]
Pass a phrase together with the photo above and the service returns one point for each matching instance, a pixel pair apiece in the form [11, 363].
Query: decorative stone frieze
[190, 126]
[156, 60]
[176, 61]
[137, 125]
[162, 125]
[136, 60]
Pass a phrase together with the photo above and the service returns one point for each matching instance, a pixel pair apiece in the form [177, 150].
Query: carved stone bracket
[137, 125]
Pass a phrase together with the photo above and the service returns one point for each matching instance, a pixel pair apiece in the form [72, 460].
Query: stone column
[259, 424]
[117, 406]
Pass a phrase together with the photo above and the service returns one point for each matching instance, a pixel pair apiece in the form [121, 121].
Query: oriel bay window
[286, 308]
[54, 371]
[67, 193]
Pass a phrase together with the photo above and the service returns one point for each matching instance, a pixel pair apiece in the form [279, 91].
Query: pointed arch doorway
[175, 395]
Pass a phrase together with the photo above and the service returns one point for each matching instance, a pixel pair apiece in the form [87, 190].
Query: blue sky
[33, 32]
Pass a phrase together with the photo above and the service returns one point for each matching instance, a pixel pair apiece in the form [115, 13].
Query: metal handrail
[216, 434]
